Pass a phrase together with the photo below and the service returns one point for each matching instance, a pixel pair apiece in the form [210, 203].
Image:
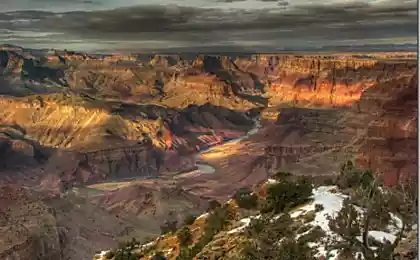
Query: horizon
[242, 25]
[326, 50]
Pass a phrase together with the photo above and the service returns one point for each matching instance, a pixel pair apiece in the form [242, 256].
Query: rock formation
[74, 124]
[390, 145]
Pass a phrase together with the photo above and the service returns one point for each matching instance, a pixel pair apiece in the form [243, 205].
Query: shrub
[184, 236]
[159, 256]
[315, 234]
[126, 254]
[281, 176]
[109, 254]
[214, 204]
[290, 249]
[189, 220]
[215, 222]
[168, 227]
[308, 217]
[184, 254]
[134, 256]
[304, 229]
[353, 178]
[319, 207]
[245, 199]
[285, 195]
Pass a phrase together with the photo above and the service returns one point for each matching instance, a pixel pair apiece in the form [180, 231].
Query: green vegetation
[125, 251]
[286, 194]
[109, 254]
[275, 235]
[168, 227]
[319, 207]
[378, 203]
[245, 199]
[309, 217]
[189, 220]
[274, 239]
[215, 222]
[313, 235]
[304, 229]
[213, 204]
[159, 256]
[184, 236]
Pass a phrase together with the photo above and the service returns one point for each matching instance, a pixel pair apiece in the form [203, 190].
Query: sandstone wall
[390, 146]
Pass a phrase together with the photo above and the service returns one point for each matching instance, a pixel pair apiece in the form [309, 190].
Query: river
[205, 168]
[202, 166]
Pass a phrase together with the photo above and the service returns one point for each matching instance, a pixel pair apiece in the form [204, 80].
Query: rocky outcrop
[41, 225]
[321, 81]
[390, 146]
[104, 138]
[233, 82]
[279, 156]
[24, 237]
[68, 169]
[150, 201]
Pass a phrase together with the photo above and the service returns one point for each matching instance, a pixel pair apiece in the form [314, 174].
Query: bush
[189, 220]
[214, 204]
[308, 217]
[353, 178]
[184, 254]
[184, 236]
[281, 176]
[159, 256]
[168, 227]
[215, 222]
[319, 207]
[313, 235]
[245, 199]
[126, 254]
[285, 195]
[109, 255]
[290, 249]
[134, 256]
[304, 229]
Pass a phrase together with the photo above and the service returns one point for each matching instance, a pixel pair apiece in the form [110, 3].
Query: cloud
[286, 25]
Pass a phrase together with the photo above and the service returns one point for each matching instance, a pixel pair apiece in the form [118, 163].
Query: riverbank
[205, 168]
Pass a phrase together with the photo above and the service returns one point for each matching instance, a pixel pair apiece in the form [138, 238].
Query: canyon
[110, 147]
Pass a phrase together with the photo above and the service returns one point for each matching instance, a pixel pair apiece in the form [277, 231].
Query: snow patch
[245, 223]
[380, 236]
[205, 215]
[101, 255]
[271, 181]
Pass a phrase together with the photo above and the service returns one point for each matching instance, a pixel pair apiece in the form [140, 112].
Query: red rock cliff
[390, 146]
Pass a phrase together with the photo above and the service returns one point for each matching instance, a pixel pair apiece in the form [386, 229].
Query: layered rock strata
[390, 145]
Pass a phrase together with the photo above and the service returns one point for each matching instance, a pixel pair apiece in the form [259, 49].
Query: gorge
[109, 148]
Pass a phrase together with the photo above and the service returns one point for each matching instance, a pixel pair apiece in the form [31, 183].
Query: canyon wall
[176, 86]
[390, 145]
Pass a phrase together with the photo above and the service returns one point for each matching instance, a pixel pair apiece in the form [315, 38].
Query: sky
[239, 25]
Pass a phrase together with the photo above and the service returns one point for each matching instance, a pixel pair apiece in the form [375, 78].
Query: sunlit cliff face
[210, 25]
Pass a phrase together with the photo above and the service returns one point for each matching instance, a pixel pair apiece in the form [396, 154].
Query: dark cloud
[229, 1]
[54, 5]
[349, 21]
